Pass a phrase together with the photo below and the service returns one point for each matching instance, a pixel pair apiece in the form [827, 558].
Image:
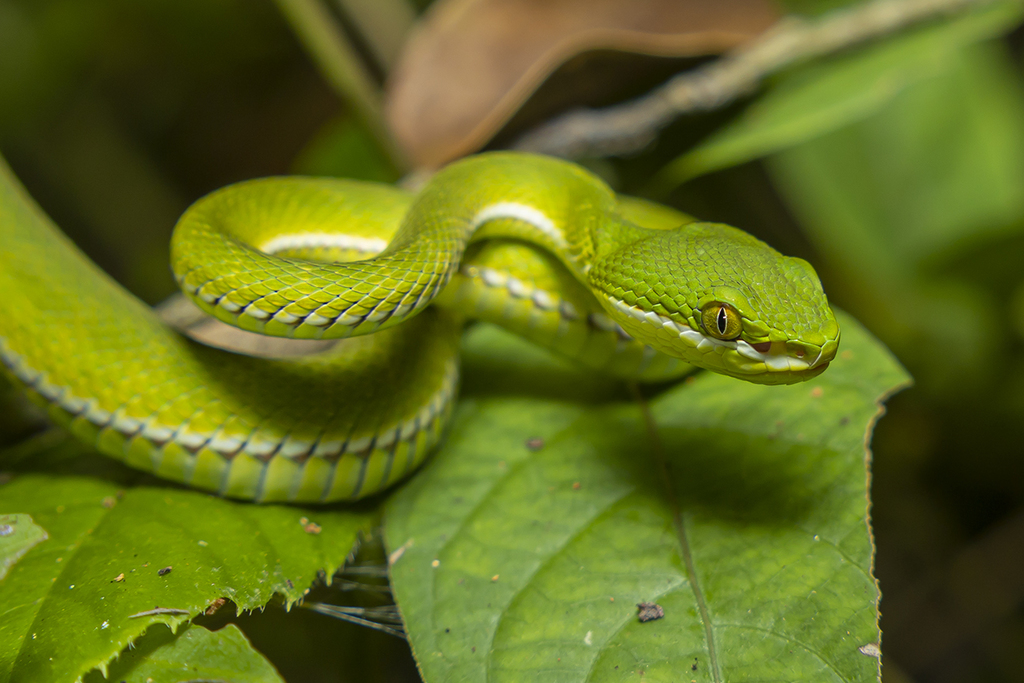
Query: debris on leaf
[535, 444]
[165, 571]
[649, 611]
[158, 611]
[214, 606]
[312, 528]
[118, 579]
[398, 552]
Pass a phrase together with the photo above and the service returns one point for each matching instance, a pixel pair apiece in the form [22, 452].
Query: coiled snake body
[537, 245]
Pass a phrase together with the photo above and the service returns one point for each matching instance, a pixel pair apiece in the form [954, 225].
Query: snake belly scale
[537, 245]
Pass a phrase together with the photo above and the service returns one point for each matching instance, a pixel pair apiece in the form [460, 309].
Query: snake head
[720, 299]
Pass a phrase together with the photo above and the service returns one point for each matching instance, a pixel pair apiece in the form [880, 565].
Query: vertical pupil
[723, 320]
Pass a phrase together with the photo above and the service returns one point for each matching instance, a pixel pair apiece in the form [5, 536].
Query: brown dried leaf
[471, 64]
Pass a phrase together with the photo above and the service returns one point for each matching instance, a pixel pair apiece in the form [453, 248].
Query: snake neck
[544, 201]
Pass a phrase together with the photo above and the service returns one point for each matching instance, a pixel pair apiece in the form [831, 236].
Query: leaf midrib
[658, 453]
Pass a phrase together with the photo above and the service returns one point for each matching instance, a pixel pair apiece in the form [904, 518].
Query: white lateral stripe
[323, 240]
[773, 361]
[257, 445]
[521, 212]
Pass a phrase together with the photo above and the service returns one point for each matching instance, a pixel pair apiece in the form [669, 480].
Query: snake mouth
[763, 362]
[778, 356]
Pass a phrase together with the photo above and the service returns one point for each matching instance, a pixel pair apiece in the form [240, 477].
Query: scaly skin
[537, 245]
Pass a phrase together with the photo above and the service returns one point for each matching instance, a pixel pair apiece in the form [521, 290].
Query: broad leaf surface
[831, 94]
[192, 654]
[69, 602]
[522, 550]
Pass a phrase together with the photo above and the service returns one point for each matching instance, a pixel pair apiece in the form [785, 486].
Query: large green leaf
[889, 202]
[828, 95]
[76, 600]
[940, 166]
[522, 550]
[192, 654]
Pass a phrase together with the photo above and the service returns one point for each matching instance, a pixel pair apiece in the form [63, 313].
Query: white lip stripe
[323, 240]
[521, 212]
[774, 361]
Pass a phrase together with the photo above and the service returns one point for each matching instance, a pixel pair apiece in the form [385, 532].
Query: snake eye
[721, 321]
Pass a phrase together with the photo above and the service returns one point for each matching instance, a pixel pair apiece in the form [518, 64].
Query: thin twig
[365, 570]
[349, 585]
[631, 126]
[160, 611]
[341, 65]
[357, 616]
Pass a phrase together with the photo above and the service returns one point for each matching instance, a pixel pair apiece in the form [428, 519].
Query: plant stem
[629, 127]
[342, 68]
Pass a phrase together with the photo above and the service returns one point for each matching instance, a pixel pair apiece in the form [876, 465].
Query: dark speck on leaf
[535, 444]
[6, 529]
[290, 584]
[165, 571]
[844, 421]
[693, 667]
[649, 611]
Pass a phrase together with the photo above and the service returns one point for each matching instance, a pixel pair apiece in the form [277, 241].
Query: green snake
[537, 245]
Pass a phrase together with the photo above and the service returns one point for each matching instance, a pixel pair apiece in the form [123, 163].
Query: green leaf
[494, 361]
[343, 148]
[891, 200]
[73, 602]
[18, 535]
[192, 654]
[828, 95]
[941, 165]
[522, 550]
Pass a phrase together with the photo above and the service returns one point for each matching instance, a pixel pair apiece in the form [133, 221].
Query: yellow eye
[721, 321]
